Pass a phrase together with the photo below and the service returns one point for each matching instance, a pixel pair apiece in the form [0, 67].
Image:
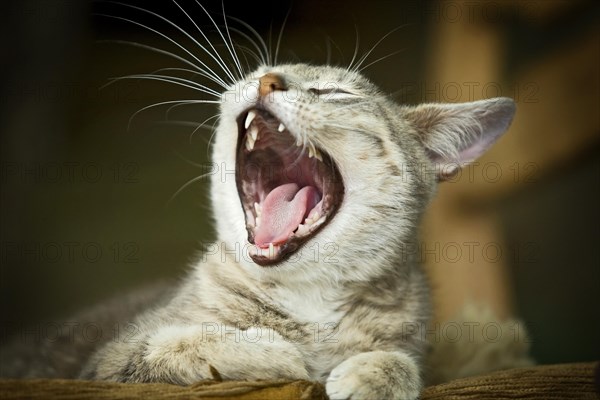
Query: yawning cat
[323, 182]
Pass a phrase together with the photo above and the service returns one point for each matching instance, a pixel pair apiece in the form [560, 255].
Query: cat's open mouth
[289, 188]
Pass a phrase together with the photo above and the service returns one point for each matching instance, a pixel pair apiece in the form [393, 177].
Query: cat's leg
[187, 354]
[375, 375]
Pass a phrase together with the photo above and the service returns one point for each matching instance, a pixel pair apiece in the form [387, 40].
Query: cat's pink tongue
[284, 208]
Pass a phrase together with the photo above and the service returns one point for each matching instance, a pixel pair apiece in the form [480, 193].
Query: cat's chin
[289, 188]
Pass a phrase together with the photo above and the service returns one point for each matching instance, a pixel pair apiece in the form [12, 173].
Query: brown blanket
[565, 381]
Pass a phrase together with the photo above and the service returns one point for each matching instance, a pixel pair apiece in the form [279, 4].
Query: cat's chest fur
[310, 304]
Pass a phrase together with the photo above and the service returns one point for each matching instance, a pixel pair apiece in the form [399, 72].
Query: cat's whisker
[381, 59]
[195, 101]
[207, 69]
[182, 70]
[197, 69]
[215, 55]
[245, 50]
[328, 46]
[229, 49]
[234, 55]
[356, 46]
[260, 56]
[219, 61]
[280, 36]
[171, 79]
[265, 52]
[203, 126]
[327, 51]
[191, 124]
[365, 56]
[186, 185]
[188, 161]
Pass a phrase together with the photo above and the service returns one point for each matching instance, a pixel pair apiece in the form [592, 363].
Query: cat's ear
[456, 134]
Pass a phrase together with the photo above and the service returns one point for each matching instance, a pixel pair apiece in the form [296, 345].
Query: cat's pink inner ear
[457, 134]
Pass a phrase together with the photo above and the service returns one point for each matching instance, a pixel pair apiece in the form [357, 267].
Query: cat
[325, 180]
[319, 187]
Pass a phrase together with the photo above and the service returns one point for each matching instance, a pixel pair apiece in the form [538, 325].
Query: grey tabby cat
[321, 184]
[308, 279]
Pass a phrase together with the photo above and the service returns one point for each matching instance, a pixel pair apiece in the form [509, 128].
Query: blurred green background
[85, 199]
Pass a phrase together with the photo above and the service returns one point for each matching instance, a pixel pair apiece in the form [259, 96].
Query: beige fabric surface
[564, 381]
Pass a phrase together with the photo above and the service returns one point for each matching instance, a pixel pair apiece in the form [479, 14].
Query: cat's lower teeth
[270, 252]
[311, 220]
[302, 230]
[309, 223]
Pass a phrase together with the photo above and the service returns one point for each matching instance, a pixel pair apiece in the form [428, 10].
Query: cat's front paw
[375, 375]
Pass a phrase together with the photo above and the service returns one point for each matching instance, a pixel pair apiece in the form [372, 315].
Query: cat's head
[319, 171]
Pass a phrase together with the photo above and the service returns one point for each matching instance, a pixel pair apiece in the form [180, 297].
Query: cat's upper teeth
[252, 136]
[314, 152]
[249, 118]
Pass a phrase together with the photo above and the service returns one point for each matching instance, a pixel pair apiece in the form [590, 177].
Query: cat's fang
[281, 127]
[249, 119]
[249, 143]
[254, 133]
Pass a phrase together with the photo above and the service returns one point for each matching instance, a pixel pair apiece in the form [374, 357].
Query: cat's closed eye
[331, 92]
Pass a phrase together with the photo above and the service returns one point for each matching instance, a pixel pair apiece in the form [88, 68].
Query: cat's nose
[271, 82]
